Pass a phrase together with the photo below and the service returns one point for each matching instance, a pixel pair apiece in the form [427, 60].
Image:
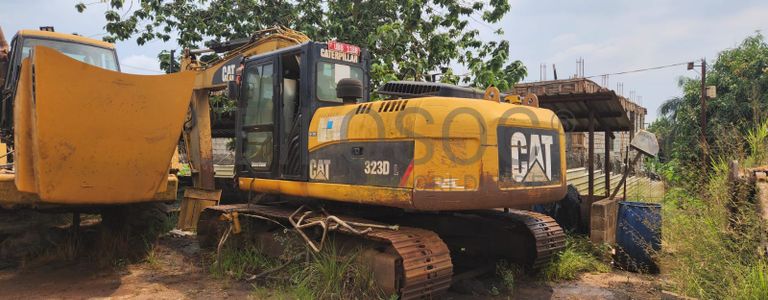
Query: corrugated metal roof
[574, 99]
[574, 110]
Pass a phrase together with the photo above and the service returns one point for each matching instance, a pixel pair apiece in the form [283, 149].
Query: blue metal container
[638, 236]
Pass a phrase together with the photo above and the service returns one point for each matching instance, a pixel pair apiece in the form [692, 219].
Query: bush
[709, 240]
[578, 257]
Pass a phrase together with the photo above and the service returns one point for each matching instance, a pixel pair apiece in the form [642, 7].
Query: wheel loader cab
[279, 92]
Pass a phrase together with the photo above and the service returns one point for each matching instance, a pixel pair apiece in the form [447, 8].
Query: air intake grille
[409, 89]
[415, 89]
[392, 105]
[364, 108]
[383, 106]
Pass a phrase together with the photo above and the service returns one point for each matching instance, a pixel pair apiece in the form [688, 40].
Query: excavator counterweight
[87, 135]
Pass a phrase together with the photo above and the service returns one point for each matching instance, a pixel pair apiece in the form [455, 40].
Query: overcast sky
[611, 36]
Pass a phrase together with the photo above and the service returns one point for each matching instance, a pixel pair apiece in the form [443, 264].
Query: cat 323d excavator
[435, 179]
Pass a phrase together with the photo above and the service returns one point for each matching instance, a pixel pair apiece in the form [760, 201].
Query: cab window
[329, 74]
[258, 122]
[92, 55]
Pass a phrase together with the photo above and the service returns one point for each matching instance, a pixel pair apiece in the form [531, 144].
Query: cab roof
[64, 36]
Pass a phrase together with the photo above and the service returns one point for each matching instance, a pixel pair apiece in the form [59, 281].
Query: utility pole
[703, 117]
[704, 146]
[171, 63]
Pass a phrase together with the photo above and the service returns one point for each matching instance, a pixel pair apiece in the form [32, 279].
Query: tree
[407, 39]
[741, 105]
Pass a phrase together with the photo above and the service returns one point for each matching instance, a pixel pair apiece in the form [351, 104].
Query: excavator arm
[211, 77]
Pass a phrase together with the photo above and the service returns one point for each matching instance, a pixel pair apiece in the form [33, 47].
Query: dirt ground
[174, 270]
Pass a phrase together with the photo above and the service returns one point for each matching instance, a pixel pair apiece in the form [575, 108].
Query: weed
[153, 258]
[169, 223]
[755, 283]
[238, 263]
[334, 275]
[578, 257]
[279, 291]
[709, 237]
[494, 291]
[67, 249]
[507, 273]
[757, 140]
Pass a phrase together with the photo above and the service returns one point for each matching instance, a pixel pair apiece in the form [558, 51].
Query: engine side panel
[363, 163]
[466, 154]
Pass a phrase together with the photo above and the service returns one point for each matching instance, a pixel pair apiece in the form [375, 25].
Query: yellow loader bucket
[87, 135]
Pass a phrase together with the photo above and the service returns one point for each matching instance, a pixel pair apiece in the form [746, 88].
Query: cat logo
[319, 169]
[531, 162]
[228, 73]
[529, 156]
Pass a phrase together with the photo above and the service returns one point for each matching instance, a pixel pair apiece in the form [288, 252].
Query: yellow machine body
[431, 153]
[85, 135]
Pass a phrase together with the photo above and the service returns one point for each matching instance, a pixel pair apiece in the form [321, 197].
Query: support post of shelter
[607, 163]
[632, 130]
[591, 155]
[586, 206]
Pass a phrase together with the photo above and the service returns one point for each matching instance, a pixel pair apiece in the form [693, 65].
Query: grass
[710, 237]
[756, 140]
[507, 273]
[169, 223]
[755, 284]
[333, 275]
[330, 274]
[579, 256]
[153, 257]
[239, 263]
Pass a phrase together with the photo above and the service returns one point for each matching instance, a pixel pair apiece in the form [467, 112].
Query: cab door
[258, 139]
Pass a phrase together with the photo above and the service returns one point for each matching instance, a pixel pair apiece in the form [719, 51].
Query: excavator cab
[278, 94]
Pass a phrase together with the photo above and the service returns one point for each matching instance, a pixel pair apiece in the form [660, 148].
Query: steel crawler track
[549, 236]
[423, 265]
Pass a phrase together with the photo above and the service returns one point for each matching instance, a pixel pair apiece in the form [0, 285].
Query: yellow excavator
[434, 180]
[83, 136]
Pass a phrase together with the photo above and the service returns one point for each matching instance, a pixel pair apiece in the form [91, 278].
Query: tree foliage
[407, 39]
[739, 75]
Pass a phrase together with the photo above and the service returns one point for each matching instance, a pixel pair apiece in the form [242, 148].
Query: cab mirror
[233, 90]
